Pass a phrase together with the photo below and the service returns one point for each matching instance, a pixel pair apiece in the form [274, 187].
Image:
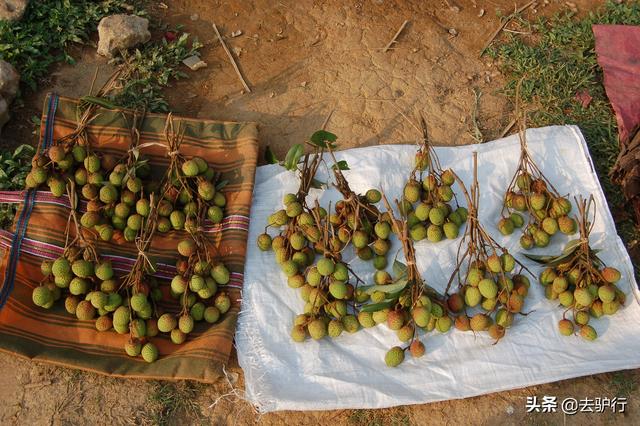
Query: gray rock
[12, 10]
[9, 81]
[4, 112]
[120, 32]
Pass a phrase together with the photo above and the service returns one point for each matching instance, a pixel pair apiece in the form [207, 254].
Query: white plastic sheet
[349, 372]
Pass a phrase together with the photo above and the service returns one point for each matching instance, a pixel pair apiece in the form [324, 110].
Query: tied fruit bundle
[491, 291]
[580, 281]
[309, 252]
[428, 198]
[192, 190]
[405, 304]
[531, 192]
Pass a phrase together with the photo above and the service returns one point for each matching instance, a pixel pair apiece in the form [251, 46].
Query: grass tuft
[557, 61]
[171, 402]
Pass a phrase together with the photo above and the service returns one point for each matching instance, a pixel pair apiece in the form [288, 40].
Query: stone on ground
[120, 32]
[9, 80]
[12, 10]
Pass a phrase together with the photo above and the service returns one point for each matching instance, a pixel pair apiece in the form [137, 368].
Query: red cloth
[618, 53]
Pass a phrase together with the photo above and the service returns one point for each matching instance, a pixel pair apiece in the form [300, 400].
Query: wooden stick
[504, 24]
[233, 61]
[393, 40]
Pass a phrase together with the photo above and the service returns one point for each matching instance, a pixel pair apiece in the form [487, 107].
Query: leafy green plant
[555, 63]
[14, 166]
[147, 71]
[47, 31]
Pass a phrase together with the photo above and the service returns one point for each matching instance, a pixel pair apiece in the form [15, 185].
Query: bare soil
[307, 61]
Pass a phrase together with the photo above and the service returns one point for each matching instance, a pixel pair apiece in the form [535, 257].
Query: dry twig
[393, 40]
[232, 59]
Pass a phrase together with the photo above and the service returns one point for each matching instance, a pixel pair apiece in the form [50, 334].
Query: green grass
[623, 383]
[47, 31]
[147, 71]
[172, 402]
[555, 62]
[14, 166]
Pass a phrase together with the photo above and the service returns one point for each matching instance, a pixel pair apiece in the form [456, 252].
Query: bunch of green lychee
[489, 295]
[324, 285]
[198, 286]
[190, 197]
[406, 317]
[118, 198]
[583, 286]
[91, 291]
[548, 212]
[427, 205]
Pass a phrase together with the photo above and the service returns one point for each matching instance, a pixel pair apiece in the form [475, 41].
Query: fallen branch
[231, 58]
[393, 40]
[504, 24]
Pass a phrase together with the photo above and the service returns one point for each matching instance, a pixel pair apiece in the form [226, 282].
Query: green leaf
[221, 184]
[293, 157]
[571, 246]
[399, 269]
[397, 286]
[341, 165]
[378, 306]
[315, 183]
[321, 137]
[23, 149]
[543, 259]
[269, 156]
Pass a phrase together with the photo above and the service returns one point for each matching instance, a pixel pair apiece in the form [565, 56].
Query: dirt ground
[306, 61]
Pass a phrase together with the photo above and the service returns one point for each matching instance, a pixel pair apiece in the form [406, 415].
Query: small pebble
[194, 17]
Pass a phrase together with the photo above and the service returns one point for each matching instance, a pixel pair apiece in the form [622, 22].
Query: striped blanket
[38, 233]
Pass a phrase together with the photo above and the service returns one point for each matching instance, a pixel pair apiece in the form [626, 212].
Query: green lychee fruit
[138, 328]
[395, 320]
[451, 230]
[560, 284]
[418, 232]
[583, 296]
[85, 311]
[506, 226]
[566, 327]
[412, 191]
[550, 225]
[190, 168]
[581, 317]
[132, 347]
[434, 233]
[325, 266]
[436, 216]
[317, 329]
[222, 302]
[382, 230]
[298, 333]
[186, 323]
[104, 270]
[472, 296]
[350, 323]
[366, 319]
[99, 299]
[588, 333]
[211, 314]
[82, 268]
[166, 323]
[46, 267]
[567, 225]
[335, 328]
[508, 262]
[610, 308]
[293, 209]
[121, 317]
[443, 324]
[56, 186]
[108, 194]
[61, 267]
[41, 296]
[488, 288]
[494, 263]
[138, 302]
[526, 241]
[373, 196]
[606, 293]
[394, 356]
[264, 242]
[149, 352]
[479, 322]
